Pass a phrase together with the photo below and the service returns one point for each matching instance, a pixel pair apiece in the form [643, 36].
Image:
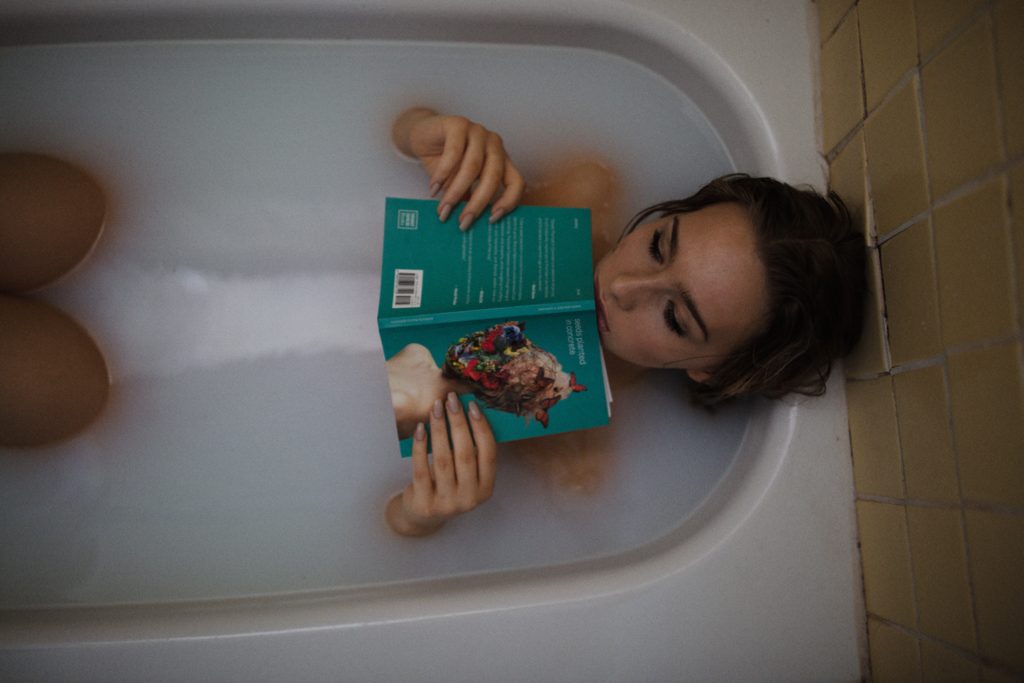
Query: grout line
[871, 234]
[1000, 119]
[864, 639]
[844, 141]
[902, 227]
[922, 122]
[998, 508]
[919, 364]
[955, 443]
[891, 94]
[972, 505]
[867, 378]
[991, 173]
[863, 76]
[983, 344]
[1015, 276]
[903, 473]
[973, 657]
[904, 509]
[959, 192]
[954, 34]
[839, 23]
[870, 220]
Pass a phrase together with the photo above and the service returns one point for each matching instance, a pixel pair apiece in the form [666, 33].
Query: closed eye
[669, 314]
[654, 248]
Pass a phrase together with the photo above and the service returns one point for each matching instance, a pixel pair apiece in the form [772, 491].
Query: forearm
[457, 477]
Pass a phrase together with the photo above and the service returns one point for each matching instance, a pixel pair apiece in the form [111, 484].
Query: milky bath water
[248, 446]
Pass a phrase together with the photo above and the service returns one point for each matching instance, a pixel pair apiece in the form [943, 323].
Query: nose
[630, 290]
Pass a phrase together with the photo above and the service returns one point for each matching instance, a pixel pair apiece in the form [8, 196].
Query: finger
[464, 452]
[456, 132]
[515, 187]
[486, 451]
[444, 471]
[488, 183]
[422, 481]
[470, 165]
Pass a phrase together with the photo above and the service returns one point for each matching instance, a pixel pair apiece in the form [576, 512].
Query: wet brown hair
[814, 261]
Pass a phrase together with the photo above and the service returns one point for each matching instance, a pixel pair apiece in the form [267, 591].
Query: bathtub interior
[248, 448]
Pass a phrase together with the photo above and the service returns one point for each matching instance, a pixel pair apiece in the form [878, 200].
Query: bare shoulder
[584, 182]
[577, 181]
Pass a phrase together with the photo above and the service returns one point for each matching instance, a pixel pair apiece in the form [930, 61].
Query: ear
[699, 376]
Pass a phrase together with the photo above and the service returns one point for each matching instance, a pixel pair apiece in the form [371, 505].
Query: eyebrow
[673, 243]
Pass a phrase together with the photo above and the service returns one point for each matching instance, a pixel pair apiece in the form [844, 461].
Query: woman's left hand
[460, 157]
[460, 476]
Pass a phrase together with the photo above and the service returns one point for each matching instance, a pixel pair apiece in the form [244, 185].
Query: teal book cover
[502, 313]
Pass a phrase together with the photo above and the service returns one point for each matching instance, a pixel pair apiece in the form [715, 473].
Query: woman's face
[682, 291]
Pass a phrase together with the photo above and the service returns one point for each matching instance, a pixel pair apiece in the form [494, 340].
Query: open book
[506, 312]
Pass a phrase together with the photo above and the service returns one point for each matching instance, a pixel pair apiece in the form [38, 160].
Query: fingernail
[438, 410]
[466, 221]
[443, 213]
[474, 410]
[496, 215]
[421, 432]
[453, 402]
[435, 188]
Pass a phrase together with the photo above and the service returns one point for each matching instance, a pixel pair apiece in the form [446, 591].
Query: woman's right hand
[459, 477]
[460, 157]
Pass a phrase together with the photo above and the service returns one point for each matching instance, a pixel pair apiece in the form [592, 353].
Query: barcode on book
[408, 288]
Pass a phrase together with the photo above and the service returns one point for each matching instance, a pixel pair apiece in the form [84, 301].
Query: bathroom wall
[922, 105]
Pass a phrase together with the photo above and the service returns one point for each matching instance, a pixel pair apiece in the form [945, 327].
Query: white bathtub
[222, 520]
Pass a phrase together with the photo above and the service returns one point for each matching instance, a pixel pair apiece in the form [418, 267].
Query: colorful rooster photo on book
[508, 372]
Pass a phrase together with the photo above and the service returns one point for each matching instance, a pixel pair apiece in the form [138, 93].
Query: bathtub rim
[773, 427]
[747, 136]
[625, 29]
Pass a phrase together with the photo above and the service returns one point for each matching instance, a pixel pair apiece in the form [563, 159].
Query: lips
[602, 316]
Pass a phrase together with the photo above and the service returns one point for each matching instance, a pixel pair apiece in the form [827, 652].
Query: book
[502, 313]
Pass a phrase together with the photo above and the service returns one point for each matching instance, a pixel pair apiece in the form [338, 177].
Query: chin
[613, 356]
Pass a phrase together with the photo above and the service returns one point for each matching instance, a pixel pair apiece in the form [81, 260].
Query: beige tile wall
[922, 105]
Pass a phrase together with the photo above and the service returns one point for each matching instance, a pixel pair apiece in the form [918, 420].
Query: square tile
[894, 654]
[830, 13]
[971, 248]
[928, 460]
[994, 675]
[895, 152]
[874, 439]
[885, 557]
[1009, 25]
[911, 295]
[960, 110]
[940, 575]
[988, 423]
[842, 99]
[1017, 219]
[936, 19]
[996, 543]
[888, 39]
[942, 665]
[870, 356]
[848, 178]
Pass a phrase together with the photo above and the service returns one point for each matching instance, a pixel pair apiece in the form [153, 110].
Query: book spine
[484, 314]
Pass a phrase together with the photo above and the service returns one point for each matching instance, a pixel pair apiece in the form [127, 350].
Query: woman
[750, 286]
